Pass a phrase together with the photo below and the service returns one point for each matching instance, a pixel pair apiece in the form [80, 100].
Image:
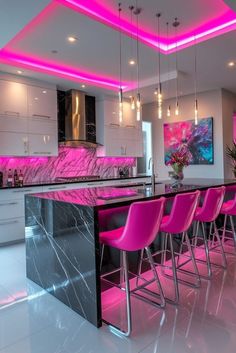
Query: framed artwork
[196, 139]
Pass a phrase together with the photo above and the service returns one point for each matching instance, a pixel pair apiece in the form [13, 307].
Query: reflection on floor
[32, 321]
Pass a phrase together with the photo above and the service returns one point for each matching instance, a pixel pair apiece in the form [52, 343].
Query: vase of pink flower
[178, 160]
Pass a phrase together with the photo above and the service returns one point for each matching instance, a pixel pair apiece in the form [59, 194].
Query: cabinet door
[13, 144]
[43, 145]
[42, 103]
[129, 116]
[36, 126]
[111, 113]
[13, 99]
[13, 124]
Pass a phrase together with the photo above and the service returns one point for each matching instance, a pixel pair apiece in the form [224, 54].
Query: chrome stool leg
[128, 302]
[206, 248]
[233, 230]
[157, 280]
[220, 245]
[176, 300]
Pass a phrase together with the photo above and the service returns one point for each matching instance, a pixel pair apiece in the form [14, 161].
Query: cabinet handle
[130, 126]
[113, 124]
[28, 190]
[8, 112]
[96, 184]
[57, 187]
[45, 153]
[8, 222]
[8, 204]
[41, 116]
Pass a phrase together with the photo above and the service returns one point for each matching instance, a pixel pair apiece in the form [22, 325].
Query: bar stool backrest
[182, 212]
[142, 225]
[212, 204]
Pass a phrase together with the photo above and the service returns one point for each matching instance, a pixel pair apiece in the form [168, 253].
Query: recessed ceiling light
[72, 39]
[36, 98]
[19, 72]
[83, 86]
[155, 92]
[132, 62]
[44, 92]
[231, 64]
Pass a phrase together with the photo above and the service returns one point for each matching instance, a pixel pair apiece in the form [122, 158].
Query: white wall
[210, 105]
[229, 107]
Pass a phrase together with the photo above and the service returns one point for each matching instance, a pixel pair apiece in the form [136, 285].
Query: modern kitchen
[117, 176]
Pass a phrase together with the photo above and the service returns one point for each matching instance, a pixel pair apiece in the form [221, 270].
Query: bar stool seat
[142, 225]
[111, 236]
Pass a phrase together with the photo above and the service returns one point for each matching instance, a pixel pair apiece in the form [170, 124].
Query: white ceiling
[15, 14]
[97, 49]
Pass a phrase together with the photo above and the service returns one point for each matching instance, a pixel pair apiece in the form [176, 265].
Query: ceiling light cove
[73, 74]
[220, 25]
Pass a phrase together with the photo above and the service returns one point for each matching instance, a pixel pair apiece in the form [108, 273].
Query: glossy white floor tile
[32, 321]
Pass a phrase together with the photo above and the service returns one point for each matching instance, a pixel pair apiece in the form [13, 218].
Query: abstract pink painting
[196, 139]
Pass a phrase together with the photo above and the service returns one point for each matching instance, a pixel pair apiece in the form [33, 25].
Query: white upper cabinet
[13, 144]
[42, 103]
[13, 99]
[119, 139]
[28, 120]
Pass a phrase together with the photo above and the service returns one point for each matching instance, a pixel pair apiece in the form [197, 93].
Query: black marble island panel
[62, 238]
[62, 253]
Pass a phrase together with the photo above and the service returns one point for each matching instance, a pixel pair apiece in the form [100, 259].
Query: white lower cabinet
[12, 214]
[12, 230]
[12, 204]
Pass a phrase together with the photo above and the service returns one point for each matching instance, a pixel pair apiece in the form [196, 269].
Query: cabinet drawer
[12, 230]
[18, 194]
[11, 209]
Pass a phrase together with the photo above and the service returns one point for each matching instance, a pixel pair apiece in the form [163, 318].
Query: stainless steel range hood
[80, 120]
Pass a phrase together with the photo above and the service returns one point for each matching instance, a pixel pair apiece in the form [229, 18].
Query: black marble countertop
[106, 197]
[72, 181]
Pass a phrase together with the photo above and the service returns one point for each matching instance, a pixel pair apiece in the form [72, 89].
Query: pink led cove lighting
[214, 28]
[10, 58]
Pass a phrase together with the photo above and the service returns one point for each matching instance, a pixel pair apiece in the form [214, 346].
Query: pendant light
[120, 90]
[176, 24]
[132, 98]
[137, 12]
[195, 84]
[168, 112]
[159, 90]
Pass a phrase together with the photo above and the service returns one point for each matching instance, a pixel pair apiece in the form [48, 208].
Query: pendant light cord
[159, 52]
[119, 9]
[195, 67]
[137, 42]
[168, 58]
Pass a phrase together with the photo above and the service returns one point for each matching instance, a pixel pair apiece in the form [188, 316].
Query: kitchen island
[62, 237]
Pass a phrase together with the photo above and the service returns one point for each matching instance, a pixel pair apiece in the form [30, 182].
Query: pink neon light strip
[99, 13]
[11, 58]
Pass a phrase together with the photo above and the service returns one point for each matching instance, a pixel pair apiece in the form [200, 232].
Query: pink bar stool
[228, 209]
[208, 213]
[179, 221]
[142, 225]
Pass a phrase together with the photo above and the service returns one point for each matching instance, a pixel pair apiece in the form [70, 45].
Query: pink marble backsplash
[70, 162]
